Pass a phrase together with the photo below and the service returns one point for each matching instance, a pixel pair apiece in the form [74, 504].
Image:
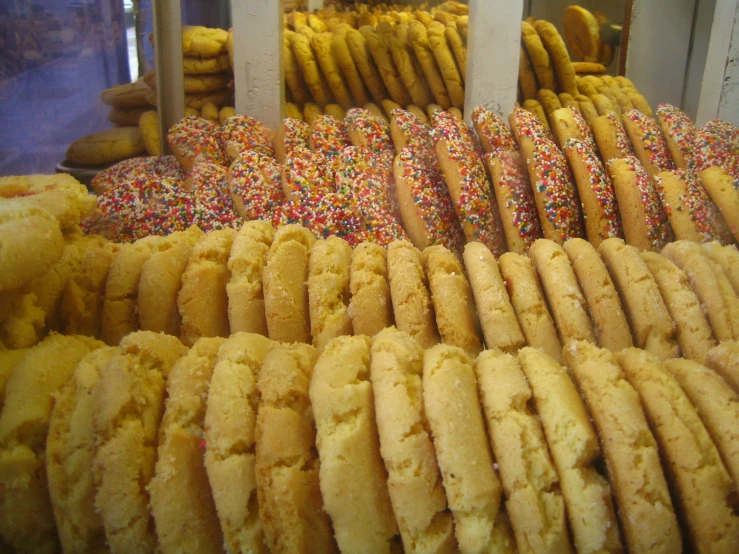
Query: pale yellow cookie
[149, 129]
[413, 80]
[123, 117]
[719, 185]
[727, 257]
[360, 54]
[724, 360]
[309, 68]
[204, 42]
[611, 138]
[211, 112]
[195, 65]
[539, 56]
[322, 44]
[130, 95]
[224, 113]
[293, 77]
[549, 101]
[449, 72]
[8, 360]
[419, 40]
[385, 66]
[457, 46]
[370, 307]
[582, 32]
[351, 73]
[110, 145]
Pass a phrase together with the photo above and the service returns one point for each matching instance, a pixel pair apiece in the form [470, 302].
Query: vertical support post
[315, 5]
[168, 66]
[258, 77]
[493, 48]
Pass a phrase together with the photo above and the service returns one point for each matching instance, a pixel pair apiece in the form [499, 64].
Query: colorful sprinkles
[644, 129]
[493, 130]
[680, 131]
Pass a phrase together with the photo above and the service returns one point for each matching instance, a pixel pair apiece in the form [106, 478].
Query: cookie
[360, 54]
[417, 497]
[652, 328]
[344, 60]
[560, 59]
[609, 321]
[254, 184]
[414, 82]
[568, 124]
[492, 130]
[582, 32]
[421, 45]
[538, 55]
[323, 49]
[549, 101]
[445, 61]
[639, 101]
[106, 146]
[409, 290]
[370, 306]
[588, 110]
[285, 286]
[204, 42]
[588, 68]
[195, 65]
[181, 501]
[293, 77]
[241, 132]
[719, 184]
[26, 516]
[537, 110]
[334, 110]
[328, 137]
[458, 48]
[529, 479]
[8, 360]
[727, 257]
[287, 465]
[611, 138]
[648, 142]
[724, 360]
[130, 95]
[314, 79]
[574, 448]
[148, 124]
[526, 76]
[195, 139]
[368, 131]
[647, 516]
[703, 489]
[124, 117]
[679, 132]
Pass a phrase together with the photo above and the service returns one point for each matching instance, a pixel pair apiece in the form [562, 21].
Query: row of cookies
[246, 445]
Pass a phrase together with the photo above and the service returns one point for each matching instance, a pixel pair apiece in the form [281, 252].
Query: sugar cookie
[611, 138]
[526, 76]
[549, 101]
[537, 110]
[583, 33]
[106, 146]
[203, 41]
[719, 184]
[368, 131]
[727, 257]
[195, 138]
[196, 65]
[241, 132]
[357, 45]
[538, 55]
[424, 53]
[415, 83]
[351, 73]
[370, 307]
[649, 145]
[293, 77]
[567, 123]
[314, 79]
[449, 72]
[558, 55]
[322, 47]
[588, 110]
[130, 95]
[724, 360]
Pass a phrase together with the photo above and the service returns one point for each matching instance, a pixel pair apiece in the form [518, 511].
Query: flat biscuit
[647, 517]
[287, 465]
[26, 516]
[454, 413]
[558, 55]
[566, 301]
[123, 117]
[323, 47]
[349, 449]
[293, 77]
[717, 405]
[419, 40]
[529, 304]
[328, 290]
[724, 360]
[181, 501]
[104, 147]
[409, 290]
[202, 300]
[203, 41]
[539, 56]
[458, 48]
[370, 307]
[720, 186]
[704, 487]
[230, 421]
[349, 69]
[417, 496]
[384, 62]
[611, 138]
[449, 72]
[194, 65]
[285, 285]
[306, 60]
[727, 257]
[575, 450]
[414, 82]
[130, 95]
[533, 499]
[128, 404]
[246, 263]
[362, 58]
[609, 321]
[652, 327]
[161, 276]
[454, 306]
[526, 76]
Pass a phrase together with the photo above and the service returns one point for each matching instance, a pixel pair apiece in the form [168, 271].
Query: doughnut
[422, 48]
[583, 33]
[539, 56]
[445, 60]
[537, 110]
[306, 173]
[368, 131]
[241, 132]
[515, 199]
[311, 111]
[645, 223]
[291, 138]
[492, 130]
[328, 137]
[526, 76]
[549, 101]
[717, 143]
[293, 78]
[415, 83]
[611, 138]
[254, 183]
[212, 206]
[692, 214]
[594, 187]
[349, 69]
[314, 79]
[323, 49]
[196, 139]
[361, 56]
[569, 124]
[721, 186]
[649, 145]
[459, 49]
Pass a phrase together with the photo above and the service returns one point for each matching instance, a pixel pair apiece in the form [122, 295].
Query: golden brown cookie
[203, 41]
[724, 360]
[357, 45]
[445, 61]
[103, 147]
[123, 117]
[549, 101]
[419, 40]
[322, 44]
[351, 73]
[582, 33]
[560, 58]
[293, 77]
[719, 185]
[588, 110]
[195, 65]
[130, 95]
[370, 307]
[8, 360]
[537, 110]
[539, 56]
[414, 82]
[149, 127]
[457, 46]
[382, 57]
[611, 138]
[309, 68]
[526, 76]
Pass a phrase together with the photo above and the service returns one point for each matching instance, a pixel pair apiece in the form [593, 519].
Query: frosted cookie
[558, 55]
[529, 304]
[370, 307]
[566, 301]
[454, 414]
[407, 129]
[106, 146]
[538, 55]
[492, 130]
[368, 131]
[285, 285]
[530, 482]
[568, 124]
[287, 465]
[648, 142]
[181, 501]
[290, 139]
[609, 321]
[322, 47]
[721, 187]
[166, 167]
[195, 138]
[716, 404]
[328, 137]
[254, 183]
[241, 132]
[202, 299]
[305, 174]
[652, 328]
[419, 40]
[727, 257]
[724, 360]
[575, 451]
[161, 276]
[357, 45]
[350, 454]
[212, 207]
[717, 143]
[611, 138]
[703, 489]
[680, 134]
[26, 516]
[119, 315]
[229, 427]
[645, 223]
[632, 458]
[411, 298]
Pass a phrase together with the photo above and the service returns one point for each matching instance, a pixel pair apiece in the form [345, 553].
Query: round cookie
[459, 48]
[293, 77]
[445, 61]
[582, 32]
[415, 84]
[721, 187]
[166, 167]
[306, 60]
[727, 257]
[567, 123]
[194, 138]
[724, 360]
[213, 207]
[241, 132]
[538, 55]
[254, 184]
[558, 55]
[588, 111]
[343, 58]
[224, 113]
[492, 130]
[419, 40]
[149, 127]
[588, 68]
[611, 138]
[375, 110]
[291, 138]
[335, 110]
[609, 321]
[124, 117]
[537, 110]
[323, 49]
[368, 131]
[203, 42]
[311, 111]
[360, 54]
[549, 101]
[195, 65]
[717, 143]
[328, 137]
[649, 145]
[306, 174]
[526, 76]
[103, 147]
[370, 307]
[130, 95]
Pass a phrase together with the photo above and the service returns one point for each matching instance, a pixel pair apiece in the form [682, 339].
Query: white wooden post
[258, 79]
[728, 108]
[315, 5]
[493, 48]
[168, 66]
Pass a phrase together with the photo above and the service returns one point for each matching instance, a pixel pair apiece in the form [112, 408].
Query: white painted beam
[728, 108]
[258, 79]
[315, 5]
[493, 48]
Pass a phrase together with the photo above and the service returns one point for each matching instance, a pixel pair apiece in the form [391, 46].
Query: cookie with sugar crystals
[648, 142]
[680, 134]
[722, 188]
[370, 306]
[724, 360]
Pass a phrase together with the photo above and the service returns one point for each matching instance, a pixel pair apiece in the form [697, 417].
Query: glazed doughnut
[357, 45]
[649, 145]
[492, 130]
[526, 76]
[291, 139]
[349, 69]
[569, 124]
[721, 187]
[311, 111]
[422, 48]
[306, 173]
[166, 167]
[254, 183]
[212, 206]
[680, 134]
[196, 139]
[328, 137]
[539, 56]
[717, 143]
[611, 138]
[322, 46]
[241, 132]
[369, 132]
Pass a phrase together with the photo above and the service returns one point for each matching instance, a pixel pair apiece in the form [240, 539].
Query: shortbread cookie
[161, 276]
[649, 145]
[721, 187]
[727, 257]
[419, 40]
[349, 69]
[417, 496]
[538, 55]
[652, 328]
[566, 301]
[575, 450]
[560, 58]
[26, 516]
[568, 124]
[500, 327]
[128, 405]
[609, 321]
[724, 360]
[370, 307]
[348, 446]
[703, 488]
[529, 304]
[230, 421]
[288, 490]
[285, 285]
[409, 290]
[454, 414]
[632, 458]
[716, 403]
[611, 138]
[530, 482]
[492, 130]
[680, 134]
[181, 502]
